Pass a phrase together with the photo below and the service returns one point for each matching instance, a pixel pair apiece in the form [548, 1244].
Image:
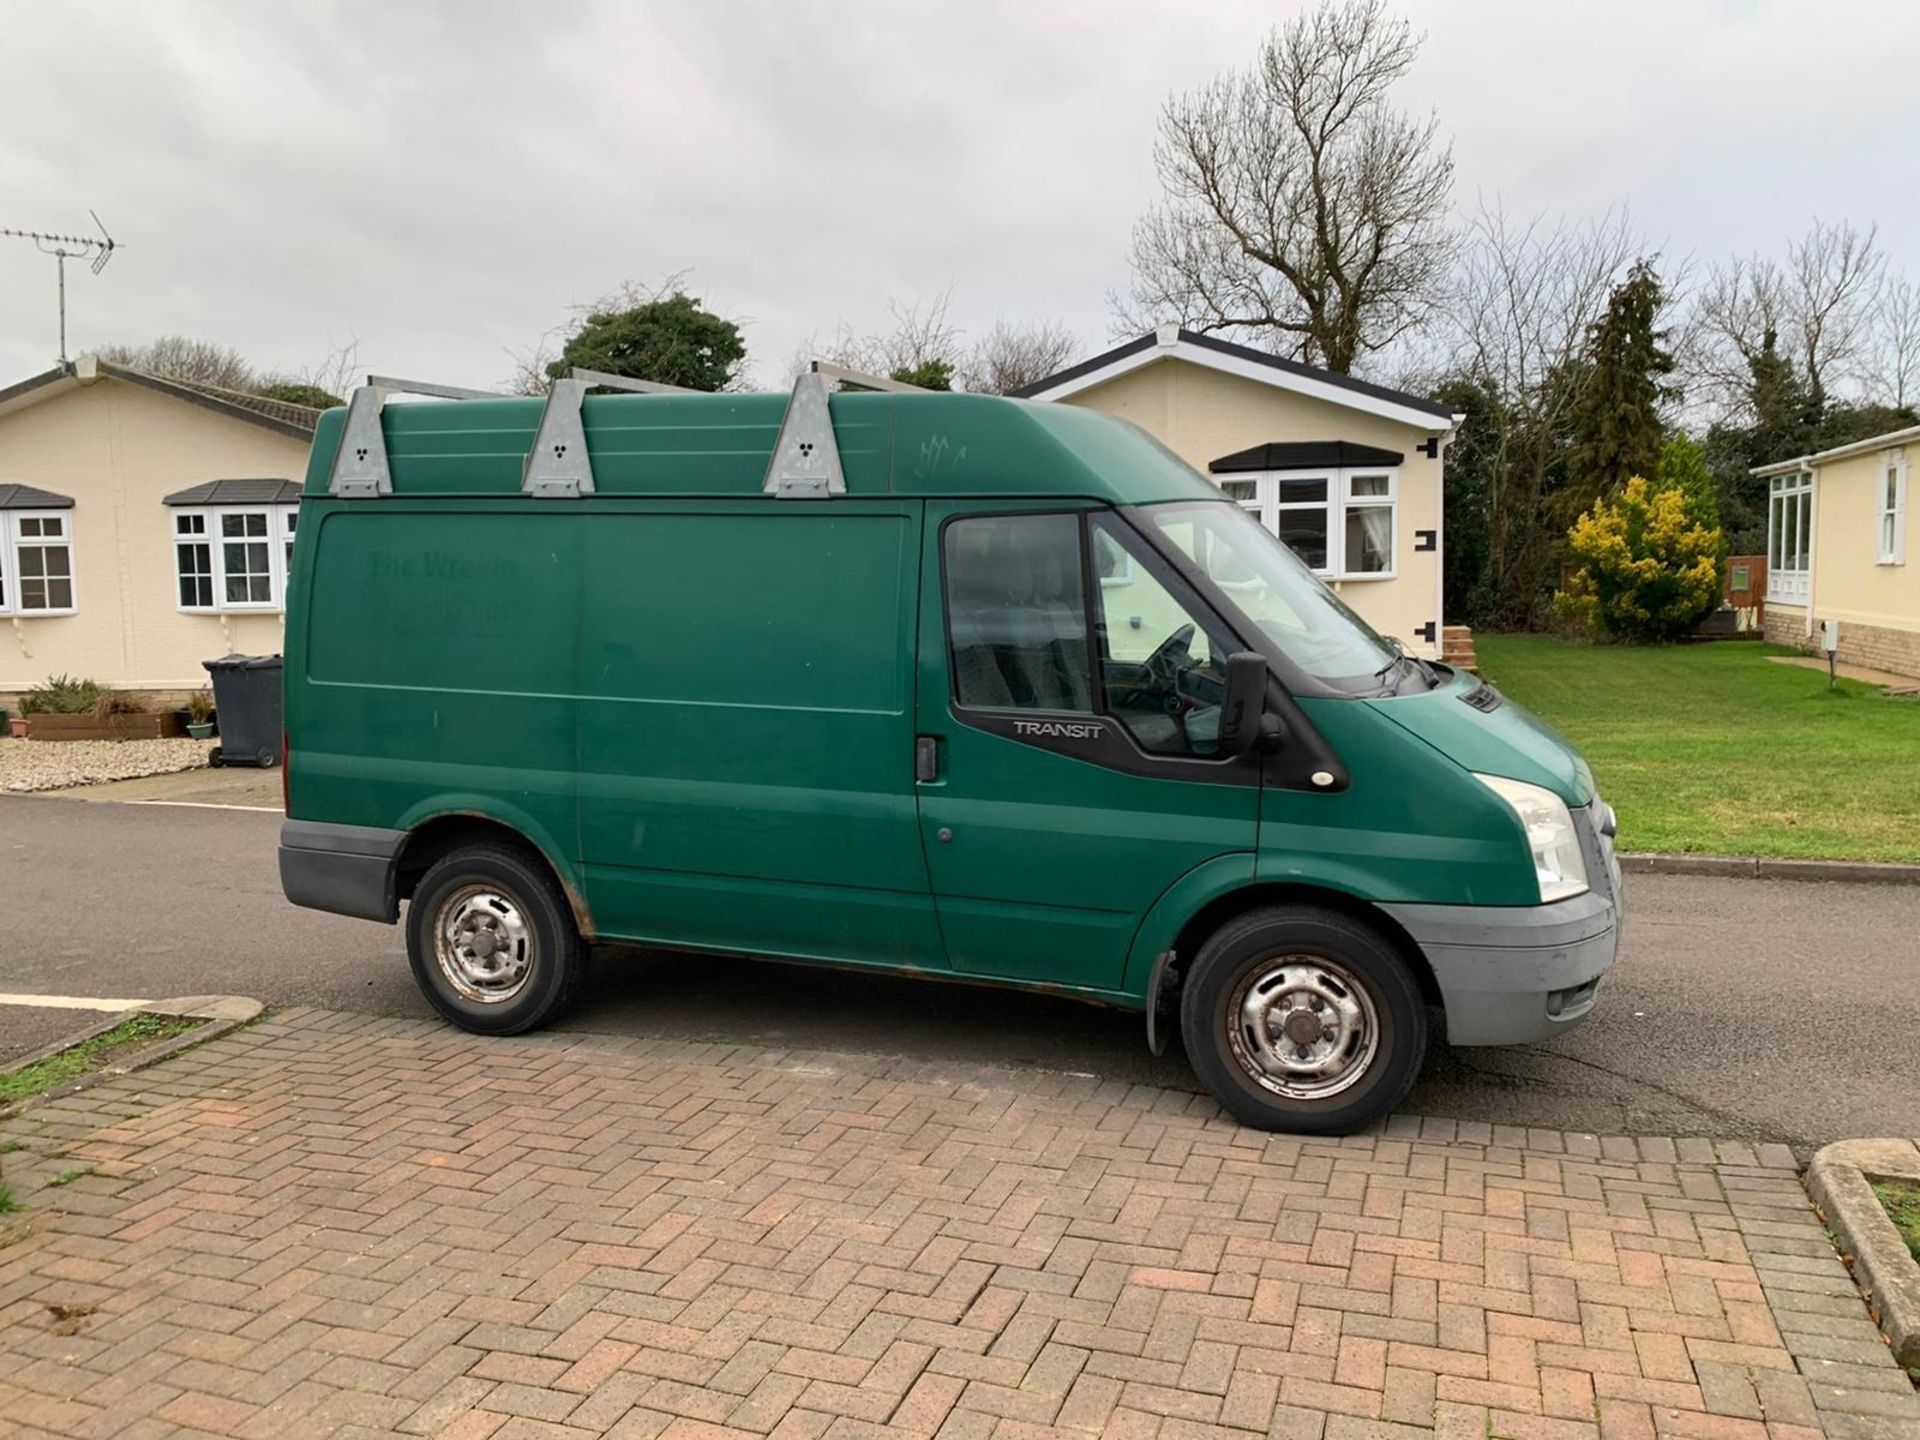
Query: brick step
[1456, 647]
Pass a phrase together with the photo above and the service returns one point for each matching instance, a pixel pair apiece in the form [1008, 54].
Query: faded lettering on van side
[471, 594]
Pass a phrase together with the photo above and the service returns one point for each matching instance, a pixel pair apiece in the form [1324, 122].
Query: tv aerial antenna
[70, 247]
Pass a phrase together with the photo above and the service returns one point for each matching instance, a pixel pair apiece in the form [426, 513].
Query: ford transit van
[954, 685]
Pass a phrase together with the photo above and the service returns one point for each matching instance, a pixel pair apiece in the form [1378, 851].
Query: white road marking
[70, 1002]
[208, 805]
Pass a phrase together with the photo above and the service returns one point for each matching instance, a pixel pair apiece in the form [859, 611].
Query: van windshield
[1269, 584]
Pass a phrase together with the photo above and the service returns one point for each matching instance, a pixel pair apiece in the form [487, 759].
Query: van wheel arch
[1225, 908]
[433, 839]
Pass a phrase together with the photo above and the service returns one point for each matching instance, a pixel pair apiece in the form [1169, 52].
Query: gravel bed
[27, 765]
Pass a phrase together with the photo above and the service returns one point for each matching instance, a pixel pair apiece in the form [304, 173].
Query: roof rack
[805, 464]
[844, 376]
[602, 380]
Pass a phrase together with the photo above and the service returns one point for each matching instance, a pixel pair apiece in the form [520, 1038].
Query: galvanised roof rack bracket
[806, 458]
[360, 468]
[558, 466]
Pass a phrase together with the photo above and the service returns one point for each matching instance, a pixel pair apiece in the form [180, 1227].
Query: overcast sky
[443, 181]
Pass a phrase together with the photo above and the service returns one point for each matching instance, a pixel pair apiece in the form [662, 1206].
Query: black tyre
[216, 757]
[492, 942]
[1302, 1019]
[267, 758]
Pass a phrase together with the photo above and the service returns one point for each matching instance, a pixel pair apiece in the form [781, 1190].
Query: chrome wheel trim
[484, 944]
[1303, 1027]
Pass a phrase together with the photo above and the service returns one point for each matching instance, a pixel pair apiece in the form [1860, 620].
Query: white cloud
[443, 181]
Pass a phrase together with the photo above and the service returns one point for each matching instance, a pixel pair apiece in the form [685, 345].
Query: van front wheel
[492, 942]
[1304, 1020]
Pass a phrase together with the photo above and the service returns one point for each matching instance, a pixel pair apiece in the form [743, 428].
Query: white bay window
[1789, 536]
[231, 558]
[1340, 521]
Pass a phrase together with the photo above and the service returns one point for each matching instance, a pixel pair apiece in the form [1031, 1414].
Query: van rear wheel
[1302, 1019]
[492, 943]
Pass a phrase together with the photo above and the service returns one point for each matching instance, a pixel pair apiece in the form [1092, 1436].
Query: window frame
[203, 539]
[1890, 510]
[1087, 591]
[1202, 615]
[1789, 494]
[1266, 506]
[1389, 502]
[11, 543]
[281, 525]
[1114, 747]
[1123, 576]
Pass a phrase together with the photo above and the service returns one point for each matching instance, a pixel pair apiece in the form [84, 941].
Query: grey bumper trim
[345, 869]
[1565, 922]
[1509, 975]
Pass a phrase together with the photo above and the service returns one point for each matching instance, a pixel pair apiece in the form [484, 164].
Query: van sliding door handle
[926, 759]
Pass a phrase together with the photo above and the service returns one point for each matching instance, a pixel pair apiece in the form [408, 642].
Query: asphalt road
[1774, 1010]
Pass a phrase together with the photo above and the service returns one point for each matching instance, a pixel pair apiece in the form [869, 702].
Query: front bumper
[1512, 974]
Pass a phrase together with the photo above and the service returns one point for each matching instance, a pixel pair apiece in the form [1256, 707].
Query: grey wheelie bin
[246, 697]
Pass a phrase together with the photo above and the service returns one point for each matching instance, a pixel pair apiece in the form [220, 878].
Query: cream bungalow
[1346, 472]
[1843, 548]
[145, 525]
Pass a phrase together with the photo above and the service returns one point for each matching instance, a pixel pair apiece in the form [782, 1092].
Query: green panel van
[948, 684]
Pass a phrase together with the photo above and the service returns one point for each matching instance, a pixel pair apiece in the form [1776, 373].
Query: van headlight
[1557, 861]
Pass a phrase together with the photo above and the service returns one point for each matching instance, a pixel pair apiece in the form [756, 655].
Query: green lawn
[1902, 1201]
[1716, 749]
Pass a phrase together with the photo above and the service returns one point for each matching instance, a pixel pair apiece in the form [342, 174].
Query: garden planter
[200, 730]
[17, 726]
[147, 725]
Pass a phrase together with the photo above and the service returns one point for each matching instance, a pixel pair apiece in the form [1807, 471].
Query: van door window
[1016, 603]
[1163, 668]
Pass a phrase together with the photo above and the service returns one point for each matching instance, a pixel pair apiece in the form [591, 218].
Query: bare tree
[1524, 299]
[336, 370]
[529, 374]
[177, 356]
[1814, 311]
[1301, 210]
[921, 336]
[330, 380]
[1896, 325]
[1013, 355]
[845, 346]
[1833, 272]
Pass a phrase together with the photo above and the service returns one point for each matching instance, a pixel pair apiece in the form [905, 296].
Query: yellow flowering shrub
[1639, 569]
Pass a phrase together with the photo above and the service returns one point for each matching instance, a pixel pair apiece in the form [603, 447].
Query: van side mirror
[1243, 705]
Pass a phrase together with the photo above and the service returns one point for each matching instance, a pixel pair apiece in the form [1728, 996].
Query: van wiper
[1402, 661]
[1393, 666]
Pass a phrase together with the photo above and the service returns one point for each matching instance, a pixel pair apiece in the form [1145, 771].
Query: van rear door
[1069, 684]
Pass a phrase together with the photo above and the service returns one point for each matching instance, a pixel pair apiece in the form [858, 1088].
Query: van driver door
[1068, 695]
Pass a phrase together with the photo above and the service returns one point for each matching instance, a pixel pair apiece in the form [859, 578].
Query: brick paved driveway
[335, 1225]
